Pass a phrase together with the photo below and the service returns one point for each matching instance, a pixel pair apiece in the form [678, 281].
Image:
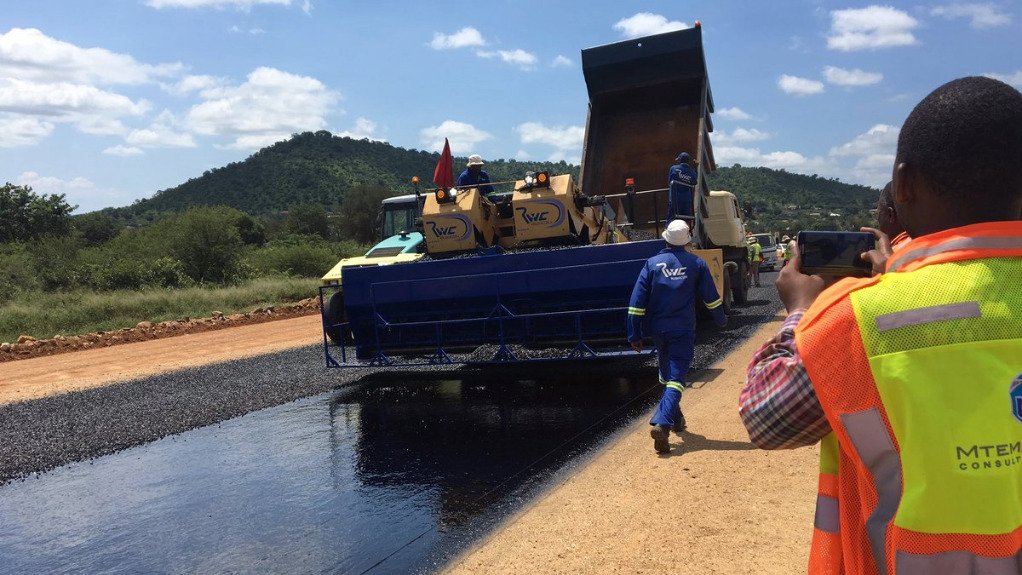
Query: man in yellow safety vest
[912, 379]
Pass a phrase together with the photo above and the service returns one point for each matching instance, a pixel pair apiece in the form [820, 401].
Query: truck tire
[726, 296]
[334, 314]
[740, 283]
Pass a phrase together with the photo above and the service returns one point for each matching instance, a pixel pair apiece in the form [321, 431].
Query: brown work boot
[679, 424]
[660, 433]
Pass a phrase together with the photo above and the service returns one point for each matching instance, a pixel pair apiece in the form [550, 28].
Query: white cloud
[561, 61]
[17, 130]
[251, 31]
[870, 28]
[190, 84]
[799, 86]
[160, 135]
[364, 130]
[90, 109]
[518, 57]
[217, 4]
[856, 77]
[566, 141]
[123, 151]
[980, 15]
[78, 191]
[268, 107]
[740, 135]
[881, 138]
[464, 38]
[1015, 78]
[780, 160]
[463, 137]
[522, 155]
[31, 56]
[257, 141]
[733, 114]
[645, 24]
[872, 153]
[560, 137]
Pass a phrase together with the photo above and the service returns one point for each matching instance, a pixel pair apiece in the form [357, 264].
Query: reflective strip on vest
[928, 315]
[827, 516]
[954, 562]
[973, 243]
[869, 436]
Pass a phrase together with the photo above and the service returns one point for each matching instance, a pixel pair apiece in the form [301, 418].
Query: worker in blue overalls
[663, 300]
[681, 181]
[475, 177]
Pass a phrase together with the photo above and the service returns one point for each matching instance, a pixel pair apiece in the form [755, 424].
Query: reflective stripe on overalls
[921, 403]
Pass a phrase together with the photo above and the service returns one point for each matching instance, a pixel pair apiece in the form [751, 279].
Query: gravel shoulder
[715, 504]
[56, 374]
[76, 406]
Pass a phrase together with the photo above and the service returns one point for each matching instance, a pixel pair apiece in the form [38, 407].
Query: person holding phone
[664, 298]
[912, 379]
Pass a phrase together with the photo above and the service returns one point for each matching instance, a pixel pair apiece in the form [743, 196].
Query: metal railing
[500, 315]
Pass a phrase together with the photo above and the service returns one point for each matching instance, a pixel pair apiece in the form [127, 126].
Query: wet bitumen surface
[396, 472]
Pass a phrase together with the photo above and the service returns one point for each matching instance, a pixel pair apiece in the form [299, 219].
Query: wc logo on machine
[1015, 393]
[549, 213]
[451, 227]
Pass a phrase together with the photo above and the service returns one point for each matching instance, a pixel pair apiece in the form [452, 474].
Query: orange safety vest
[919, 372]
[899, 240]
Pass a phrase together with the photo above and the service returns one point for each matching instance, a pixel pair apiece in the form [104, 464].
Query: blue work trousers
[674, 354]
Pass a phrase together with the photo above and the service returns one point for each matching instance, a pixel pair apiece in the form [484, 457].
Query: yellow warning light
[537, 180]
[443, 196]
[415, 179]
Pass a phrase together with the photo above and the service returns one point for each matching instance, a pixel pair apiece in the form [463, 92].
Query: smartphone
[835, 253]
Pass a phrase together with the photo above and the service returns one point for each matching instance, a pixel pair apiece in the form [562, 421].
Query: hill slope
[319, 168]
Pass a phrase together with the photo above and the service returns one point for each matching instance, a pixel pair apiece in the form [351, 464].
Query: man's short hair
[965, 138]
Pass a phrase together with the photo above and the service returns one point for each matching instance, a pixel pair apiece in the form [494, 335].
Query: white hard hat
[677, 233]
[475, 160]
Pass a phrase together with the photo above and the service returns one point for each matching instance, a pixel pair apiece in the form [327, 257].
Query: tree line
[44, 248]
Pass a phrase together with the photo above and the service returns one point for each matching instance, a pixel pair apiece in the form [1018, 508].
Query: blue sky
[111, 100]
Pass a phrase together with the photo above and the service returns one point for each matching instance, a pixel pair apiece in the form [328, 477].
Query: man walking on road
[913, 378]
[666, 288]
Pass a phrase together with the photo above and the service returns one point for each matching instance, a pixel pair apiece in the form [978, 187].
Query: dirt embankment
[28, 347]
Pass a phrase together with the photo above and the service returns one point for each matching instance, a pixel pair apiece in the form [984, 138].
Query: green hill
[780, 201]
[315, 169]
[320, 169]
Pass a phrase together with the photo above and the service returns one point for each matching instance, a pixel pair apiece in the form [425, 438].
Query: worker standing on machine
[681, 181]
[475, 177]
[667, 287]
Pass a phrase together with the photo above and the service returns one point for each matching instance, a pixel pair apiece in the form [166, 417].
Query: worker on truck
[475, 177]
[681, 180]
[667, 287]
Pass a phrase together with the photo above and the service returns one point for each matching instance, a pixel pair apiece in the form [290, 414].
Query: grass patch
[43, 315]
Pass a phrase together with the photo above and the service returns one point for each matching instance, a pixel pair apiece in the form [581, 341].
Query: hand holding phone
[836, 254]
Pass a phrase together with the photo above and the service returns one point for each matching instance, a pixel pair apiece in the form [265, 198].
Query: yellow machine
[541, 210]
[458, 222]
[545, 208]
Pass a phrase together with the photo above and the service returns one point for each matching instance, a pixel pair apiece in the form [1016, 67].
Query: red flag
[443, 175]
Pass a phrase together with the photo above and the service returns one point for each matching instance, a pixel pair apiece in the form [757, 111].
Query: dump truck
[551, 265]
